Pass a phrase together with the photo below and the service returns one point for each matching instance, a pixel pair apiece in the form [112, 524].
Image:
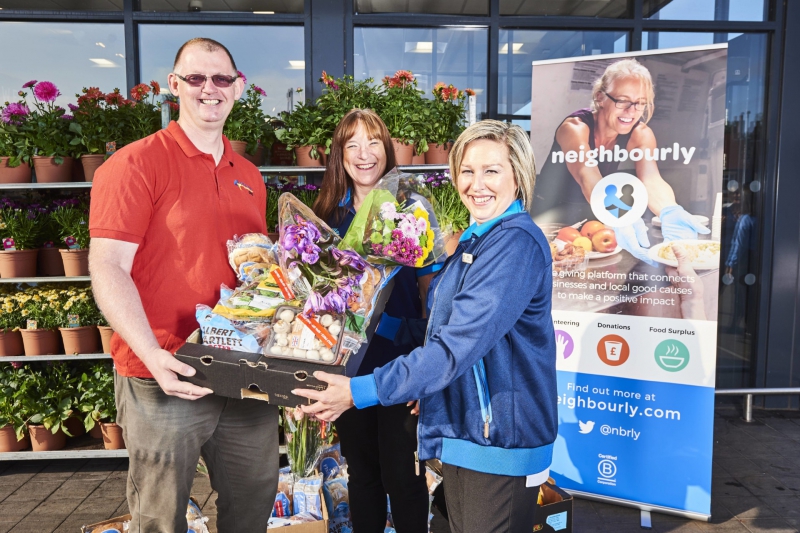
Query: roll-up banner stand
[629, 151]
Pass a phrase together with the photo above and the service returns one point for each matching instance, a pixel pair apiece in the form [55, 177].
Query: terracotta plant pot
[96, 432]
[403, 153]
[48, 172]
[20, 174]
[417, 159]
[76, 262]
[11, 343]
[304, 158]
[239, 147]
[106, 332]
[452, 243]
[18, 263]
[75, 427]
[41, 341]
[112, 436]
[438, 154]
[257, 158]
[80, 340]
[9, 442]
[280, 156]
[91, 162]
[49, 263]
[43, 440]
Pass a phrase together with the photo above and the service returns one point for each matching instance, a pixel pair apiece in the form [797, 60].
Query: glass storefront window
[742, 202]
[704, 9]
[518, 48]
[73, 56]
[63, 5]
[459, 58]
[261, 7]
[576, 8]
[277, 72]
[464, 7]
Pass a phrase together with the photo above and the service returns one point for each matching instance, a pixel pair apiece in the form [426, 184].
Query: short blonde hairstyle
[627, 68]
[520, 153]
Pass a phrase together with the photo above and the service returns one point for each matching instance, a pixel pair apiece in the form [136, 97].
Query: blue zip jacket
[486, 375]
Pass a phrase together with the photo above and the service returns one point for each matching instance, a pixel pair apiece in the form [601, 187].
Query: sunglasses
[197, 80]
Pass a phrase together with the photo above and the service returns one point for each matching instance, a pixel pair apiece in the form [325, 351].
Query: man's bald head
[206, 44]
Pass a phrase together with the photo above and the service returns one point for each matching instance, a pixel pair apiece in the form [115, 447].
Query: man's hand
[165, 369]
[330, 403]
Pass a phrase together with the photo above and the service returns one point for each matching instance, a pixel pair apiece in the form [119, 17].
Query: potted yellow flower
[40, 309]
[10, 323]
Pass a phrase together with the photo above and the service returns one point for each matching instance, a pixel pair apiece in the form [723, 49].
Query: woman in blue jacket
[486, 373]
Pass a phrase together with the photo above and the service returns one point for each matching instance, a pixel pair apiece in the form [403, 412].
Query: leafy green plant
[305, 438]
[98, 120]
[47, 395]
[403, 109]
[447, 118]
[13, 386]
[96, 395]
[13, 144]
[46, 130]
[248, 122]
[79, 301]
[304, 126]
[21, 223]
[449, 210]
[72, 219]
[141, 115]
[339, 97]
[10, 313]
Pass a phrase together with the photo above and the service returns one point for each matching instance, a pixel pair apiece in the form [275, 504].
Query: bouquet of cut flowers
[395, 224]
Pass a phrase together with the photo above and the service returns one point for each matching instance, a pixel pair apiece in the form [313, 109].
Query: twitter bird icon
[585, 427]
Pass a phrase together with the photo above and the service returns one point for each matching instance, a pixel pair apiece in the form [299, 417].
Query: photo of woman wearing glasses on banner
[590, 144]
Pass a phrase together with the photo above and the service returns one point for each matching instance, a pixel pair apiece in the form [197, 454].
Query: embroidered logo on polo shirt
[243, 187]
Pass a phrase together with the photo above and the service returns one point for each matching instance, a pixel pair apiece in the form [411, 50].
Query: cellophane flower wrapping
[396, 225]
[326, 275]
[305, 439]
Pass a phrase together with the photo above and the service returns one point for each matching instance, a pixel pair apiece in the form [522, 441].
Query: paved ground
[756, 487]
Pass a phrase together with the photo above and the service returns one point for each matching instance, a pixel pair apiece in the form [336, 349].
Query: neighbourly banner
[629, 149]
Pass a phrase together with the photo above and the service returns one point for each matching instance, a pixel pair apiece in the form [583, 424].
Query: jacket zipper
[479, 370]
[427, 331]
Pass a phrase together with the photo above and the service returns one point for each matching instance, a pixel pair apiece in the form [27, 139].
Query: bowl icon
[671, 361]
[672, 355]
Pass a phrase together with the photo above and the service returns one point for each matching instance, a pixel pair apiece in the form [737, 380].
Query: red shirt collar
[191, 150]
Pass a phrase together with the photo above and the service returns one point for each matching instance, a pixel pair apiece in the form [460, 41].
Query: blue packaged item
[219, 332]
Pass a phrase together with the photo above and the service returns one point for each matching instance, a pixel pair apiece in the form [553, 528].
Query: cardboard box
[320, 526]
[118, 519]
[235, 374]
[555, 512]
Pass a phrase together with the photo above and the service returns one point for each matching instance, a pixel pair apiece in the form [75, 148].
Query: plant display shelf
[46, 279]
[58, 357]
[77, 453]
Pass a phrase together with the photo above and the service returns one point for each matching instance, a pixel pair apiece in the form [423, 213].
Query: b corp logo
[607, 468]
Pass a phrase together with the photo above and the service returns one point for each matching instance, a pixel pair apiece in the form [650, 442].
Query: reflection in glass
[439, 7]
[742, 204]
[704, 9]
[460, 56]
[577, 8]
[514, 86]
[264, 7]
[276, 72]
[72, 56]
[63, 5]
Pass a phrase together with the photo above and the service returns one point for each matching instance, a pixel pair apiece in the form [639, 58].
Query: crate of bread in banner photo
[311, 301]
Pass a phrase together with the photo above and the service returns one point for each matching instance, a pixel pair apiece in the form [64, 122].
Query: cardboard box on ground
[195, 518]
[235, 374]
[320, 526]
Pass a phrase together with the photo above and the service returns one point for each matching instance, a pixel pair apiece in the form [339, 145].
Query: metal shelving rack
[81, 453]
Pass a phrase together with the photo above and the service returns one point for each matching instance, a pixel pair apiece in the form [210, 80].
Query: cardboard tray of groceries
[111, 523]
[555, 511]
[235, 374]
[320, 526]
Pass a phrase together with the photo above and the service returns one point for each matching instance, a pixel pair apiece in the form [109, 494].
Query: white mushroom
[327, 355]
[326, 320]
[287, 351]
[281, 326]
[282, 340]
[300, 354]
[276, 350]
[313, 355]
[336, 323]
[287, 315]
[317, 344]
[335, 329]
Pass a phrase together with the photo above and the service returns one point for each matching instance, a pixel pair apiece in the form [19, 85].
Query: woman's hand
[415, 409]
[678, 224]
[330, 403]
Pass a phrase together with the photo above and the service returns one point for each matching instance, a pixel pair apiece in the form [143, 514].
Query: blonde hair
[520, 153]
[627, 68]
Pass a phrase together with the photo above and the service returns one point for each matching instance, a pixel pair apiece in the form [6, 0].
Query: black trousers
[379, 444]
[487, 503]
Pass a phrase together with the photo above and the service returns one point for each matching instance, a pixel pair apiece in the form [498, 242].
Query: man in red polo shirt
[162, 210]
